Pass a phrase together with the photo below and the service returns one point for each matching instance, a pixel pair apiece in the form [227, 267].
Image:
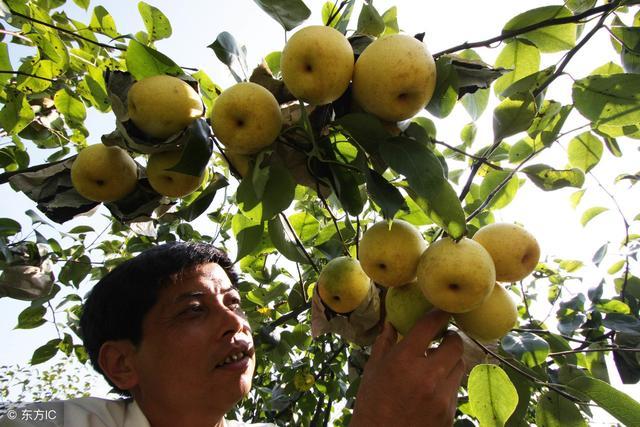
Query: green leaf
[197, 149]
[512, 116]
[143, 61]
[384, 194]
[94, 89]
[618, 404]
[426, 178]
[9, 227]
[591, 213]
[613, 306]
[585, 151]
[521, 150]
[492, 396]
[157, 25]
[554, 410]
[305, 225]
[365, 129]
[520, 56]
[45, 352]
[571, 265]
[102, 22]
[80, 229]
[616, 266]
[31, 317]
[390, 18]
[549, 179]
[279, 191]
[528, 84]
[208, 88]
[526, 347]
[474, 103]
[347, 188]
[16, 115]
[284, 244]
[5, 63]
[288, 13]
[74, 271]
[576, 197]
[248, 234]
[548, 39]
[44, 72]
[329, 11]
[82, 3]
[608, 68]
[70, 106]
[612, 99]
[273, 62]
[445, 94]
[622, 323]
[579, 6]
[197, 207]
[370, 22]
[506, 194]
[468, 134]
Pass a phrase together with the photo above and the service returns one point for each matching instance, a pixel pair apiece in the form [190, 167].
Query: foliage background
[561, 281]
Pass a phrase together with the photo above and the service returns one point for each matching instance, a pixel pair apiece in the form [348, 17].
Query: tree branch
[22, 73]
[64, 30]
[572, 52]
[538, 25]
[299, 243]
[471, 156]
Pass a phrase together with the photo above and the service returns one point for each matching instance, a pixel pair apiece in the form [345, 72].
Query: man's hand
[404, 384]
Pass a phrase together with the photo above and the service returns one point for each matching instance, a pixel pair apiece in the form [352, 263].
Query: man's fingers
[448, 353]
[425, 331]
[384, 341]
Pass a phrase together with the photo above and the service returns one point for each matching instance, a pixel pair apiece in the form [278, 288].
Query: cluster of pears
[160, 107]
[393, 78]
[459, 277]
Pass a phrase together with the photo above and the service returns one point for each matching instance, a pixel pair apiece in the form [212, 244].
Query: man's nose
[231, 322]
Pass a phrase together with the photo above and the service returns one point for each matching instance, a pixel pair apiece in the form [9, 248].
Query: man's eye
[234, 302]
[193, 308]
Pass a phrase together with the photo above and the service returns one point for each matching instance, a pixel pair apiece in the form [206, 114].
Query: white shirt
[85, 412]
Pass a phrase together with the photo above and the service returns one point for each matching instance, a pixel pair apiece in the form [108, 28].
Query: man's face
[196, 346]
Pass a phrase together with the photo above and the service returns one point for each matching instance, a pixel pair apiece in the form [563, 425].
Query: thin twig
[595, 350]
[538, 25]
[483, 160]
[64, 30]
[22, 73]
[299, 242]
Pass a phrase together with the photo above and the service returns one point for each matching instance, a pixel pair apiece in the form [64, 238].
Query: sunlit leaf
[549, 179]
[70, 106]
[618, 404]
[547, 39]
[591, 213]
[612, 99]
[103, 22]
[143, 61]
[527, 347]
[370, 22]
[157, 24]
[445, 94]
[585, 151]
[492, 396]
[512, 116]
[520, 56]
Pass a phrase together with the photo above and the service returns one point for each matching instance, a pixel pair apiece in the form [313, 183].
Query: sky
[549, 216]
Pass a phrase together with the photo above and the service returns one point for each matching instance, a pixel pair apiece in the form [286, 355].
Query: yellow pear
[394, 77]
[390, 255]
[514, 250]
[241, 162]
[170, 183]
[246, 118]
[456, 276]
[317, 64]
[161, 106]
[342, 285]
[493, 319]
[404, 306]
[104, 174]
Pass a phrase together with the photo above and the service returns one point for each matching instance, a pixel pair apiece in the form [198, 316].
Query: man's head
[162, 325]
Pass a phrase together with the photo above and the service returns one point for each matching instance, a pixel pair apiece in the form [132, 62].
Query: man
[166, 329]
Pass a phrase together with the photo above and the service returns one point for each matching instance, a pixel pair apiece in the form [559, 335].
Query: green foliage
[333, 171]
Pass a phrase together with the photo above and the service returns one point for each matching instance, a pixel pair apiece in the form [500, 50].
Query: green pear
[405, 305]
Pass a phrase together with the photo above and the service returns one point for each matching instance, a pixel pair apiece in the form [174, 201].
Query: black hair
[117, 305]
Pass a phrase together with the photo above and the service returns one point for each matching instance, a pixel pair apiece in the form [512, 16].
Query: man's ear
[116, 361]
